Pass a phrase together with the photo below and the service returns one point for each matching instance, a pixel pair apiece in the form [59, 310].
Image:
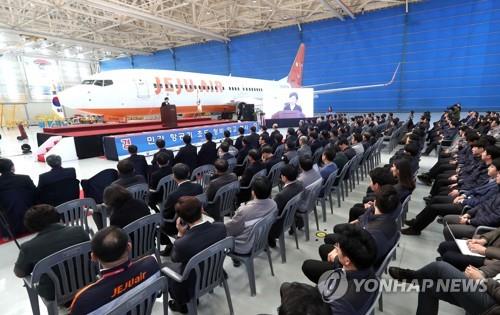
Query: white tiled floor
[414, 252]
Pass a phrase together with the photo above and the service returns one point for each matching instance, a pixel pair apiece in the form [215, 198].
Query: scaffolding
[13, 114]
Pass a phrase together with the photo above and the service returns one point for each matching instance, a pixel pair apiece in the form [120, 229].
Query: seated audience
[51, 237]
[486, 244]
[304, 148]
[268, 158]
[126, 174]
[314, 143]
[328, 166]
[223, 152]
[17, 194]
[465, 292]
[401, 170]
[247, 215]
[227, 137]
[239, 140]
[343, 145]
[187, 154]
[253, 138]
[291, 188]
[355, 252]
[253, 166]
[357, 143]
[138, 160]
[221, 178]
[300, 299]
[194, 235]
[160, 144]
[379, 177]
[208, 151]
[56, 174]
[121, 206]
[163, 170]
[439, 206]
[309, 174]
[290, 151]
[184, 188]
[111, 248]
[378, 221]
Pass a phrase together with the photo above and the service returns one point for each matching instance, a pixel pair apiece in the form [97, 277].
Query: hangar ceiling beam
[145, 16]
[70, 41]
[345, 8]
[332, 9]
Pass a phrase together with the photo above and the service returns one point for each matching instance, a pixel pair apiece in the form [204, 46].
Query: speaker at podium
[168, 115]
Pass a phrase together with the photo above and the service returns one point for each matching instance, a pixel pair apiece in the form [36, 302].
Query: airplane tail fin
[295, 75]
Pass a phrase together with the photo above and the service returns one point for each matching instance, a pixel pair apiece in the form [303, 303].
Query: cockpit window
[87, 82]
[98, 82]
[108, 82]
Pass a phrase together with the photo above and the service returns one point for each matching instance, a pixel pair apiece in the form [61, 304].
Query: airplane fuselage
[139, 92]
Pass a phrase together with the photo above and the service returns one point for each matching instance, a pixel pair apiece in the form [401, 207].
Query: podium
[168, 116]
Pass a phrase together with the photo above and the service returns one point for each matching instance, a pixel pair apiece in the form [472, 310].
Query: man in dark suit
[56, 174]
[187, 154]
[138, 160]
[268, 159]
[291, 188]
[17, 194]
[208, 151]
[163, 170]
[240, 158]
[274, 133]
[58, 185]
[184, 188]
[314, 143]
[253, 166]
[227, 137]
[223, 151]
[126, 174]
[52, 236]
[239, 141]
[344, 146]
[160, 143]
[194, 236]
[222, 177]
[253, 138]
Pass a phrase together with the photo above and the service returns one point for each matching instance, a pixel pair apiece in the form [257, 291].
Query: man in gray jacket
[305, 149]
[248, 214]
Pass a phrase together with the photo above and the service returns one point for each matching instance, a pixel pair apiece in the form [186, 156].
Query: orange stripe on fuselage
[144, 111]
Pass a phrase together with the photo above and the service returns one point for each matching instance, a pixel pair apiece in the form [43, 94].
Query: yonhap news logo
[334, 284]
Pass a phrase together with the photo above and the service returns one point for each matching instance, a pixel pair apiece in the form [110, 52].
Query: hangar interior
[443, 51]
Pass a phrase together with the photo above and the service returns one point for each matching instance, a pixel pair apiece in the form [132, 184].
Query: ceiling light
[67, 53]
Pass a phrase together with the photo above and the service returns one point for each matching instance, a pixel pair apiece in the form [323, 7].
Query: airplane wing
[321, 84]
[361, 87]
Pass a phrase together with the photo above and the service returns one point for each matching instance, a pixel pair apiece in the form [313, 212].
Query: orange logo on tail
[295, 75]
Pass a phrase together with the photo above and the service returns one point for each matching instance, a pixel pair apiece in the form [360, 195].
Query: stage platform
[89, 138]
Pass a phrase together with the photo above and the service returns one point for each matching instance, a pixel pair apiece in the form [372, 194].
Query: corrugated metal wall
[449, 50]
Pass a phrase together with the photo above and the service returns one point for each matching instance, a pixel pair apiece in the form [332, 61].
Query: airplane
[139, 92]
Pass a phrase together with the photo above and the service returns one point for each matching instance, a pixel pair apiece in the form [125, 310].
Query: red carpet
[130, 127]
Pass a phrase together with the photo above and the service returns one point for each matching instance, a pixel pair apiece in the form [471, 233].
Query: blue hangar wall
[449, 52]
